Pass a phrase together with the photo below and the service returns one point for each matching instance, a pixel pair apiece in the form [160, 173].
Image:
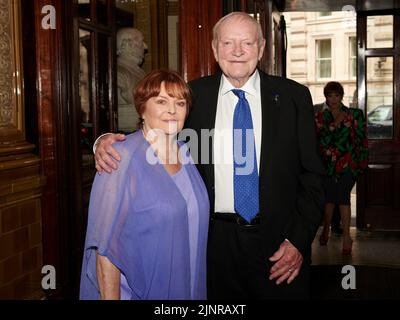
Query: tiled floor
[375, 256]
[369, 248]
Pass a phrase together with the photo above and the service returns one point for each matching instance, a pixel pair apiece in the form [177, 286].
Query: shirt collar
[325, 106]
[250, 87]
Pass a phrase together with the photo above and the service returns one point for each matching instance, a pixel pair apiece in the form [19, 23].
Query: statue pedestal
[128, 117]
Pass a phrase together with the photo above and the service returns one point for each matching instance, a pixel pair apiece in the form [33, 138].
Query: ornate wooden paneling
[159, 33]
[11, 114]
[196, 20]
[46, 102]
[20, 180]
[54, 136]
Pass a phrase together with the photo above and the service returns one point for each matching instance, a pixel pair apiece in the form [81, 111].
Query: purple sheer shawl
[138, 219]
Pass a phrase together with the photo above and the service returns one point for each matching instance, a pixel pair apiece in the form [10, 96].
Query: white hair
[240, 16]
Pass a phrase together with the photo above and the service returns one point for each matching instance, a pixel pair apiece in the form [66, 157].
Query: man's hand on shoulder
[106, 156]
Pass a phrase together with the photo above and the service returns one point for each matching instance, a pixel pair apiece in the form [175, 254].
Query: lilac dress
[149, 224]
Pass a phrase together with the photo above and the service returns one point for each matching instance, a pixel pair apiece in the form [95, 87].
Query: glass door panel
[104, 98]
[379, 97]
[102, 12]
[379, 32]
[84, 8]
[85, 90]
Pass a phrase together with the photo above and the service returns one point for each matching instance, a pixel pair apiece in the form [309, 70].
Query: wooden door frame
[196, 19]
[77, 218]
[52, 107]
[386, 147]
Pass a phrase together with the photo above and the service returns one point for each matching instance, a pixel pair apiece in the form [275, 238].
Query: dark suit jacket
[291, 192]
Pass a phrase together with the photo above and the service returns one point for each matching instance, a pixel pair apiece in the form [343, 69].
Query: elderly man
[263, 221]
[130, 51]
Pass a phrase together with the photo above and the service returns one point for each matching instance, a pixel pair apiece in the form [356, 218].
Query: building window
[324, 58]
[353, 57]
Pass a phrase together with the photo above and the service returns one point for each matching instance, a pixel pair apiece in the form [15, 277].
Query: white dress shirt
[223, 137]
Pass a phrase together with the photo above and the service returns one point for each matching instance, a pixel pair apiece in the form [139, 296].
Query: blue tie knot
[239, 93]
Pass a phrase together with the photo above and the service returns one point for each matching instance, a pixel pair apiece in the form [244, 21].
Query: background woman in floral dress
[344, 148]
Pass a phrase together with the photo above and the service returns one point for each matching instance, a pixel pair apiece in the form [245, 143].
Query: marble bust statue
[130, 56]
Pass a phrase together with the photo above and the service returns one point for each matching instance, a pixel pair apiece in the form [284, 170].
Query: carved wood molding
[6, 66]
[19, 163]
[21, 190]
[16, 149]
[11, 103]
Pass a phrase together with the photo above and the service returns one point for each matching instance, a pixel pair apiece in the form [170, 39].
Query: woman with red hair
[148, 223]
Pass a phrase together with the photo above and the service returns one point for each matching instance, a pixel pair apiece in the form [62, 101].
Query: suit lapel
[211, 101]
[270, 104]
[210, 105]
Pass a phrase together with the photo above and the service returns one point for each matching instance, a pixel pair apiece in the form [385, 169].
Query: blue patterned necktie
[245, 174]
